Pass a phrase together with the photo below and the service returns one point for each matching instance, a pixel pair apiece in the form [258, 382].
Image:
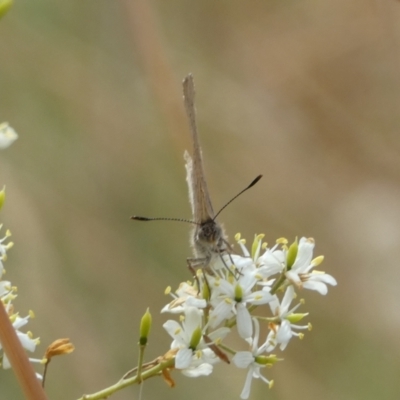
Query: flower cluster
[7, 291]
[231, 294]
[7, 296]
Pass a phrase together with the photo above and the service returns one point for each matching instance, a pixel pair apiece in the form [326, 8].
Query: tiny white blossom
[7, 295]
[247, 359]
[230, 297]
[282, 332]
[5, 288]
[274, 260]
[27, 342]
[194, 357]
[7, 135]
[3, 250]
[300, 273]
[186, 296]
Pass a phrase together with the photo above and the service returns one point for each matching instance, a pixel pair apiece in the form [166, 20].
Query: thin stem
[278, 283]
[103, 394]
[140, 361]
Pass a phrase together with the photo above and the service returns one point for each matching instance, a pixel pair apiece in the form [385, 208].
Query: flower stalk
[16, 354]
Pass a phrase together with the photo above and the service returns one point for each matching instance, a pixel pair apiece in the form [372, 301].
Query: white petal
[192, 320]
[322, 277]
[243, 319]
[242, 359]
[273, 260]
[172, 310]
[208, 357]
[194, 302]
[6, 363]
[20, 322]
[269, 344]
[5, 287]
[247, 385]
[219, 333]
[225, 288]
[221, 312]
[244, 264]
[256, 335]
[247, 280]
[284, 334]
[202, 370]
[7, 135]
[173, 328]
[275, 305]
[183, 358]
[287, 299]
[259, 297]
[27, 342]
[304, 255]
[320, 287]
[265, 272]
[293, 277]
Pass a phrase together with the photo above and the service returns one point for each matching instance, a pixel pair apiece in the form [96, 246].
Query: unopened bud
[2, 196]
[195, 339]
[292, 254]
[145, 325]
[4, 6]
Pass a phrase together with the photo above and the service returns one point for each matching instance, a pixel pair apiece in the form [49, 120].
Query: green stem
[103, 394]
[140, 361]
[278, 283]
[227, 349]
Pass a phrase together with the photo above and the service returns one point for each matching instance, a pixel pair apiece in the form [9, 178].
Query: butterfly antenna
[247, 188]
[138, 218]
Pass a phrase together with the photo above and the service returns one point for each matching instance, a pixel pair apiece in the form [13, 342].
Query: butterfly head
[209, 231]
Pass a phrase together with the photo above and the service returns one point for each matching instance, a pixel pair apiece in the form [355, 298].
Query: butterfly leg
[230, 251]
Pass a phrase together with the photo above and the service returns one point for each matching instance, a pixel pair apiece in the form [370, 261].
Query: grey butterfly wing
[198, 192]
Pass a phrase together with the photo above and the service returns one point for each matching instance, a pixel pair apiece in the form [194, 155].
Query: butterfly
[208, 238]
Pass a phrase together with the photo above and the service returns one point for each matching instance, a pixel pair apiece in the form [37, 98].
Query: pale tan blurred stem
[19, 361]
[165, 86]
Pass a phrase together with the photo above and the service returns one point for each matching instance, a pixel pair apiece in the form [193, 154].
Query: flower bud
[145, 325]
[292, 254]
[295, 317]
[4, 6]
[195, 339]
[2, 196]
[238, 293]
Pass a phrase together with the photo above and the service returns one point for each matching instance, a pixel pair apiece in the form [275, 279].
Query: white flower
[253, 261]
[274, 260]
[7, 295]
[7, 135]
[5, 289]
[25, 338]
[186, 296]
[230, 297]
[300, 273]
[282, 332]
[253, 361]
[3, 250]
[194, 357]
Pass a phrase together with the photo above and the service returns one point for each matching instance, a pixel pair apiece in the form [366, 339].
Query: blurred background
[306, 93]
